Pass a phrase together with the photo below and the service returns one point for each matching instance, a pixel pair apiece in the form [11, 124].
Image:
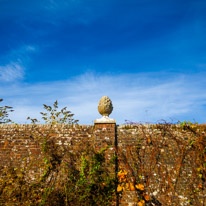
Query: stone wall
[166, 160]
[163, 158]
[18, 141]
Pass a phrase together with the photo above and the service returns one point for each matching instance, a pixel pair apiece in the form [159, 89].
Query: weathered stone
[105, 106]
[105, 109]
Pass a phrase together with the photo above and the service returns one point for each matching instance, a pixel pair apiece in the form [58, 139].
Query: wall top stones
[151, 126]
[4, 126]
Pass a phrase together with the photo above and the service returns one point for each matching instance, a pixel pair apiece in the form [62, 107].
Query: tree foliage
[4, 113]
[53, 116]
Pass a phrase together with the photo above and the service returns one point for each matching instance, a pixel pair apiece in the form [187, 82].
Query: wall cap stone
[104, 119]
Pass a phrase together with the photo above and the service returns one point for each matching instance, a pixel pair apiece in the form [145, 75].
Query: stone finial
[105, 106]
[105, 109]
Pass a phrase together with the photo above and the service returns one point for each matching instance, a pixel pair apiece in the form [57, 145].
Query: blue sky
[148, 56]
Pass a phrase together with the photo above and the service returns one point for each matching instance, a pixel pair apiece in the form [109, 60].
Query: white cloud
[30, 48]
[137, 97]
[15, 70]
[22, 53]
[11, 72]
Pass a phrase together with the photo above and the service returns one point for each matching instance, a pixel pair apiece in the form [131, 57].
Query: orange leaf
[130, 186]
[140, 187]
[141, 203]
[119, 188]
[127, 185]
[5, 144]
[146, 197]
[200, 186]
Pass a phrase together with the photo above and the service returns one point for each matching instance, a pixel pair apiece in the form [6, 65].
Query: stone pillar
[105, 133]
[105, 127]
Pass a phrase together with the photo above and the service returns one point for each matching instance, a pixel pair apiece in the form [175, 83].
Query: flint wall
[164, 158]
